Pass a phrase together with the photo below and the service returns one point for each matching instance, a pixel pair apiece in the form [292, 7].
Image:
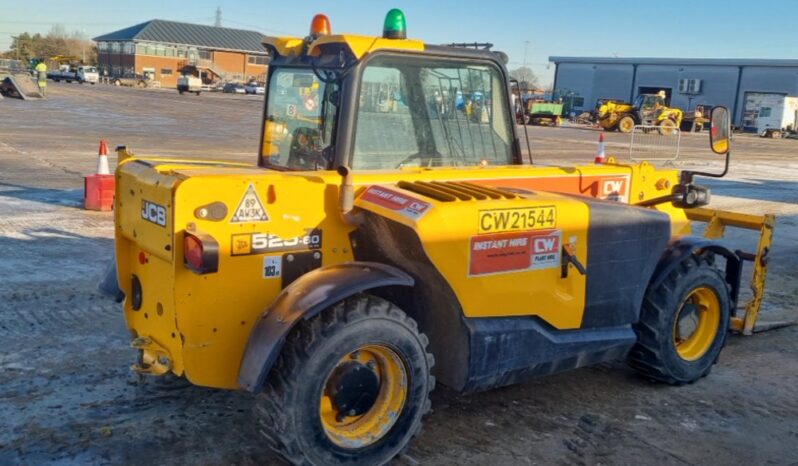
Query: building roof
[197, 35]
[675, 61]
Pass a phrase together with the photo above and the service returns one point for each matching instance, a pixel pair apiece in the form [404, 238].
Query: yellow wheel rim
[358, 428]
[626, 125]
[667, 127]
[696, 324]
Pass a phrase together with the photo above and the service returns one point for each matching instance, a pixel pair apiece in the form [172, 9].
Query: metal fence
[655, 143]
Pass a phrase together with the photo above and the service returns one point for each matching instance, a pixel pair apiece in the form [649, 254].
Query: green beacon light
[395, 25]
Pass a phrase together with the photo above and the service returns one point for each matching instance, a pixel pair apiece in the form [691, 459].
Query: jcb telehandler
[386, 241]
[647, 109]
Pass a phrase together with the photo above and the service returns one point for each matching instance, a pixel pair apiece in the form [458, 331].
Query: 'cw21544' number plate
[517, 219]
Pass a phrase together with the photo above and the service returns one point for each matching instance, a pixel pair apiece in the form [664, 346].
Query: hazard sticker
[515, 251]
[250, 209]
[401, 203]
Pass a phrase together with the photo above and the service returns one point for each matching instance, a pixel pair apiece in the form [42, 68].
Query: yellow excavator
[647, 109]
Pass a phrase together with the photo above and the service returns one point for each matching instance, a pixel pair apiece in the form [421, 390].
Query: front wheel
[626, 124]
[350, 386]
[667, 127]
[683, 323]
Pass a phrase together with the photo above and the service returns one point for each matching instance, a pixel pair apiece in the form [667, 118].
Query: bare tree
[526, 77]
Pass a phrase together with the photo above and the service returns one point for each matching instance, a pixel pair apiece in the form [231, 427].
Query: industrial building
[160, 49]
[744, 86]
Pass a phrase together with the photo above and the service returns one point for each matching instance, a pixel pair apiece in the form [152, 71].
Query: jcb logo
[543, 245]
[153, 212]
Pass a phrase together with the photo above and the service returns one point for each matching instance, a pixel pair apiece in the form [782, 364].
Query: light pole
[526, 46]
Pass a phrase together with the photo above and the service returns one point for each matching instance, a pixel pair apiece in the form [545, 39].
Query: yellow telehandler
[647, 109]
[386, 241]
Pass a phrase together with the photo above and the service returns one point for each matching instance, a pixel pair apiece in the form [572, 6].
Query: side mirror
[720, 130]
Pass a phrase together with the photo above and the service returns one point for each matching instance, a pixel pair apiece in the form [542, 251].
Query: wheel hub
[688, 322]
[353, 388]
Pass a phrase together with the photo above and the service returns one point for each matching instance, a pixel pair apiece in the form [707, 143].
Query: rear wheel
[683, 323]
[350, 387]
[667, 127]
[626, 124]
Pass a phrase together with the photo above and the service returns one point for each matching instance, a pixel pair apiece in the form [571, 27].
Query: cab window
[430, 113]
[299, 121]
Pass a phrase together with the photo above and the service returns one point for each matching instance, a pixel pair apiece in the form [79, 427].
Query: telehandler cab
[388, 239]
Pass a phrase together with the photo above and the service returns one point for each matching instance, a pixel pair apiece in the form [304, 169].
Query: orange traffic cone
[600, 152]
[99, 189]
[102, 159]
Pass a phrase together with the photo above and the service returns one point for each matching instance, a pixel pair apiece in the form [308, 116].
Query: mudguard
[682, 247]
[303, 299]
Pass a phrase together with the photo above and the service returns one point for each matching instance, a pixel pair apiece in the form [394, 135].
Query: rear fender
[681, 248]
[303, 299]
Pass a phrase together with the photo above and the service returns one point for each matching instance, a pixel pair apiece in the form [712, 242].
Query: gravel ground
[67, 396]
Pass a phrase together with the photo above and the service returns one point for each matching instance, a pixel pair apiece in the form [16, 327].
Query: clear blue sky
[675, 28]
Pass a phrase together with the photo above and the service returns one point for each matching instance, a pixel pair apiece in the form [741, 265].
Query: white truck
[79, 73]
[189, 83]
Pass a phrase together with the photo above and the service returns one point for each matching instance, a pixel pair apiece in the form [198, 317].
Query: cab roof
[360, 46]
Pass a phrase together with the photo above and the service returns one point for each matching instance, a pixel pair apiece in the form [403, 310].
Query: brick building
[161, 49]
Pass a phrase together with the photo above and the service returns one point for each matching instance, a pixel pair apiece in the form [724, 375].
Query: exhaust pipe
[346, 198]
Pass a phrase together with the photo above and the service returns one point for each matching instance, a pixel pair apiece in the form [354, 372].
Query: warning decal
[250, 209]
[508, 252]
[401, 203]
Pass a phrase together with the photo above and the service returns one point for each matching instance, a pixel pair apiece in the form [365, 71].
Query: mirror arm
[523, 118]
[687, 176]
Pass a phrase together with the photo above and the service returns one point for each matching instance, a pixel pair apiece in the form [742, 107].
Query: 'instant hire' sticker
[514, 251]
[250, 209]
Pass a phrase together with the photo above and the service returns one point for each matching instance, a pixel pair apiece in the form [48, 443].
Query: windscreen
[431, 112]
[299, 120]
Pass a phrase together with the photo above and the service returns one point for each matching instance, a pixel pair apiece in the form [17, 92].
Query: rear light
[201, 252]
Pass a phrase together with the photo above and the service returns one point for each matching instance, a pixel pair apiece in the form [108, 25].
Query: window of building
[764, 112]
[181, 52]
[141, 49]
[166, 72]
[204, 54]
[115, 47]
[102, 46]
[579, 102]
[256, 60]
[169, 51]
[128, 48]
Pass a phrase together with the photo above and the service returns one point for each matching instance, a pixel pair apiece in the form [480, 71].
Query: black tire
[655, 355]
[288, 409]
